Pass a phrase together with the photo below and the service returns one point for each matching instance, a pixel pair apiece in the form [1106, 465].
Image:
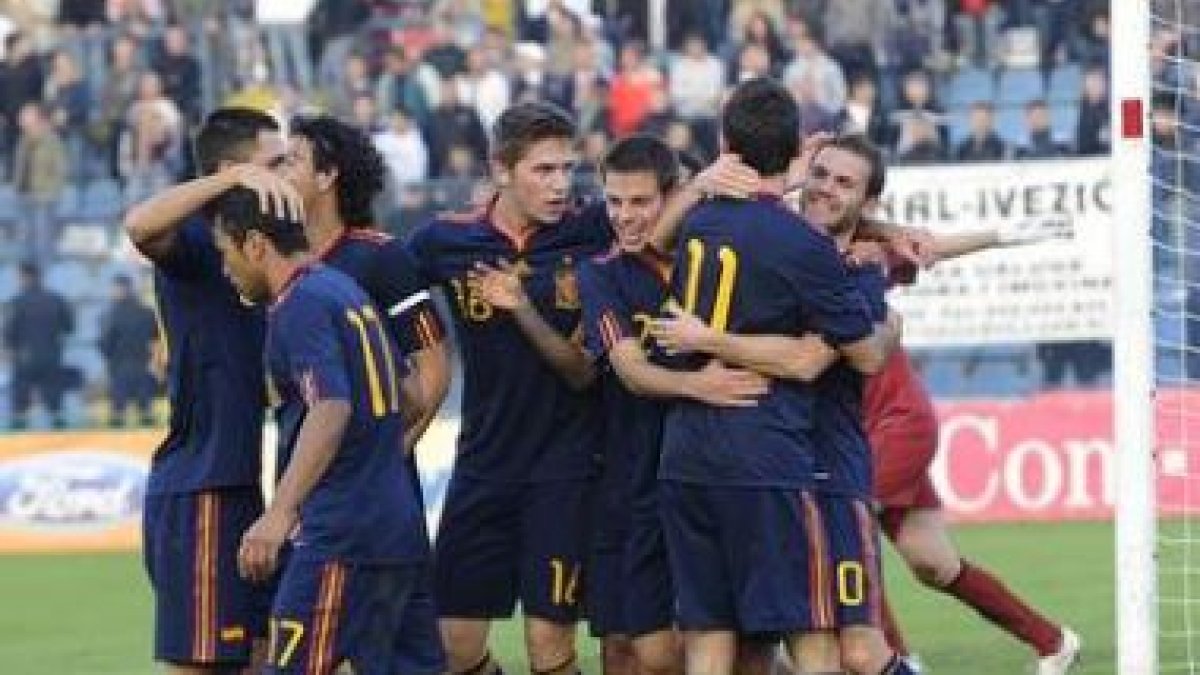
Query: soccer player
[902, 428]
[345, 498]
[733, 480]
[903, 431]
[337, 172]
[514, 522]
[630, 593]
[846, 178]
[204, 486]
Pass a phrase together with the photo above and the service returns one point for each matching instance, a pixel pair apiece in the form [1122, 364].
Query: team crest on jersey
[566, 287]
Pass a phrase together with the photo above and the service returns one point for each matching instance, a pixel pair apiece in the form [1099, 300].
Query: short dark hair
[761, 124]
[859, 144]
[522, 125]
[30, 269]
[644, 154]
[230, 134]
[337, 146]
[238, 211]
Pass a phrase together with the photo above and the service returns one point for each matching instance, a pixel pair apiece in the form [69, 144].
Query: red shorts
[902, 454]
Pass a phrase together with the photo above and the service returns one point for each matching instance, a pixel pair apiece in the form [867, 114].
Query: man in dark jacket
[127, 332]
[39, 321]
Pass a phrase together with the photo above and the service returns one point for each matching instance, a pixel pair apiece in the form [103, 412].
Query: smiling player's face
[634, 204]
[836, 190]
[539, 183]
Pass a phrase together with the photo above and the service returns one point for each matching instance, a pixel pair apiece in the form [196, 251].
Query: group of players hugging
[686, 415]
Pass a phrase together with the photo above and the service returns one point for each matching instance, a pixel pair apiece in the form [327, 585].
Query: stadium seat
[1064, 117]
[1010, 124]
[1066, 83]
[102, 200]
[8, 282]
[959, 123]
[87, 321]
[71, 279]
[967, 86]
[85, 357]
[1019, 86]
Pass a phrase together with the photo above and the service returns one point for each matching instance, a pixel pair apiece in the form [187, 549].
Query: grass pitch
[90, 614]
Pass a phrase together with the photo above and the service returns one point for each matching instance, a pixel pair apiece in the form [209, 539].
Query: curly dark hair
[360, 169]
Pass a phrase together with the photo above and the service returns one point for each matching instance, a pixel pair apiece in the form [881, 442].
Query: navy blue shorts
[500, 542]
[650, 598]
[746, 559]
[853, 540]
[204, 611]
[606, 592]
[330, 616]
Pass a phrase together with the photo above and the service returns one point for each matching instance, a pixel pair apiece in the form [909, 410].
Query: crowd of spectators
[106, 91]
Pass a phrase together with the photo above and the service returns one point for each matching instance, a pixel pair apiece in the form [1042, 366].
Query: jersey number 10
[727, 258]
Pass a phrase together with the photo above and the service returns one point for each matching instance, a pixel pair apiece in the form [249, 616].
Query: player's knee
[551, 646]
[617, 654]
[659, 661]
[858, 657]
[465, 645]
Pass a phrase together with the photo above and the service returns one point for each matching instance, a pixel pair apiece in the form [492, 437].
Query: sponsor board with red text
[1051, 457]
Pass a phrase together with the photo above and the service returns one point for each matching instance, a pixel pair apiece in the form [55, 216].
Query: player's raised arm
[778, 356]
[501, 287]
[726, 177]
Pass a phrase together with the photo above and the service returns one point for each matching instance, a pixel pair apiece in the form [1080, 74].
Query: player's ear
[501, 172]
[871, 206]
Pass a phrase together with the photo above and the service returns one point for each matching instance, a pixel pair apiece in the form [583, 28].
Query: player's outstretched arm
[501, 287]
[777, 356]
[954, 245]
[153, 224]
[713, 384]
[316, 446]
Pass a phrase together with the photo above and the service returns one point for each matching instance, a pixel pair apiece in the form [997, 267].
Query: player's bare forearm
[431, 367]
[316, 446]
[643, 378]
[714, 384]
[565, 356]
[777, 356]
[152, 224]
[893, 332]
[867, 355]
[947, 246]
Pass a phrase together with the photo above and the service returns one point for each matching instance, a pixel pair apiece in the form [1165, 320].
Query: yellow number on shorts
[564, 582]
[365, 321]
[281, 655]
[728, 259]
[851, 583]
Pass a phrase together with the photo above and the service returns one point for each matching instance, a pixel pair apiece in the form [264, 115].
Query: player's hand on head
[725, 387]
[809, 147]
[276, 195]
[1031, 232]
[499, 285]
[728, 176]
[258, 556]
[679, 331]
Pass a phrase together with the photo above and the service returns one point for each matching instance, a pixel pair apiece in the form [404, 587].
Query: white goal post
[1133, 375]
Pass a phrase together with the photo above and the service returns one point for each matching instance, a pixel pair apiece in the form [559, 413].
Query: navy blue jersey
[621, 293]
[843, 460]
[384, 268]
[215, 382]
[326, 341]
[753, 267]
[520, 420]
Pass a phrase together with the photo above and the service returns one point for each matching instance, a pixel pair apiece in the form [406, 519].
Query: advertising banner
[1056, 290]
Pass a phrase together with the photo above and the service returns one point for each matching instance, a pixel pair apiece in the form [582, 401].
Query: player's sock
[891, 631]
[896, 666]
[991, 598]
